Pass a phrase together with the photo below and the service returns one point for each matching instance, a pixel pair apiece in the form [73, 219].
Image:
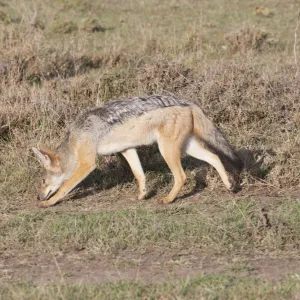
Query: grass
[206, 287]
[60, 57]
[237, 228]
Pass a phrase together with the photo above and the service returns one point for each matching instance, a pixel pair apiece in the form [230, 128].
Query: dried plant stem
[295, 46]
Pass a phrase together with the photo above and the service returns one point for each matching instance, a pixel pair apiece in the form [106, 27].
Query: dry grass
[48, 76]
[60, 57]
[256, 106]
[247, 39]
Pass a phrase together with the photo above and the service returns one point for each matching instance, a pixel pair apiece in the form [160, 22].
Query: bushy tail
[215, 141]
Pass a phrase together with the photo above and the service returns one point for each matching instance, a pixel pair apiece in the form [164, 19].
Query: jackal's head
[53, 176]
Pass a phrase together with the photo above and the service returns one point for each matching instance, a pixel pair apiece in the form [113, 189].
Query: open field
[239, 61]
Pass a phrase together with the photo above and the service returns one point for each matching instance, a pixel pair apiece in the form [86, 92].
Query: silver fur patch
[118, 111]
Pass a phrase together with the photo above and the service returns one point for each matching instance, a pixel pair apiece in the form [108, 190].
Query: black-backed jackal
[176, 125]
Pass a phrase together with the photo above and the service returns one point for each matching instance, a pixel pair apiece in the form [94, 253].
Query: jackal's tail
[215, 141]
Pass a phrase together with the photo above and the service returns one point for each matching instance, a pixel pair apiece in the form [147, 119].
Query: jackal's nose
[38, 197]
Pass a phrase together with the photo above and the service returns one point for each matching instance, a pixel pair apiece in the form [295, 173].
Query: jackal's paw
[233, 189]
[235, 186]
[165, 200]
[142, 196]
[43, 204]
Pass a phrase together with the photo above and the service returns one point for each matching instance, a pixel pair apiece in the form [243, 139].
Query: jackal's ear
[47, 157]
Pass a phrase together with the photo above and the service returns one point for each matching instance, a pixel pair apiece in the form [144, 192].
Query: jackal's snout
[43, 195]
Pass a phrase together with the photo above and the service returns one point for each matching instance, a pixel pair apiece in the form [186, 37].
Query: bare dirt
[155, 266]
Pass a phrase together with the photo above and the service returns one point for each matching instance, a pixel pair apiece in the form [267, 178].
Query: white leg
[134, 162]
[194, 148]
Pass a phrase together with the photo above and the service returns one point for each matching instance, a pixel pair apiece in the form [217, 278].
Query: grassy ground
[238, 222]
[239, 61]
[206, 287]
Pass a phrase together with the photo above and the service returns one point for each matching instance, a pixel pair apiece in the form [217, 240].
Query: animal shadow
[116, 171]
[257, 163]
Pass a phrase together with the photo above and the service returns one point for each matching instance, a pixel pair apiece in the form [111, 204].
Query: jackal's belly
[119, 140]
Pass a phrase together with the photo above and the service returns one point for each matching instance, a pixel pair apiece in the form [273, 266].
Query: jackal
[176, 125]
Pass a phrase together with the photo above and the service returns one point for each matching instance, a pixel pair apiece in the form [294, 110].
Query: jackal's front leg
[81, 172]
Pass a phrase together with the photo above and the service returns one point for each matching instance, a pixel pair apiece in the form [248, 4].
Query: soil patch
[158, 265]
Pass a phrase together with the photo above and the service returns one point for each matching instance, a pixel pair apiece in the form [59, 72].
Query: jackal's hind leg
[134, 162]
[195, 149]
[171, 152]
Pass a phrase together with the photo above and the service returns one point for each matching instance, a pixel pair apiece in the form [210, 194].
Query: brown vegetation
[59, 58]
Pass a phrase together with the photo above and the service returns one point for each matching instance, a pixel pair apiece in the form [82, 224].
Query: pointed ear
[46, 150]
[47, 157]
[43, 158]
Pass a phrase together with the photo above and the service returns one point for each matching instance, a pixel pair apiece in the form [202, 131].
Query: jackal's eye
[43, 181]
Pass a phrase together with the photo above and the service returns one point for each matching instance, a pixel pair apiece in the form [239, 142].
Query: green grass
[200, 287]
[236, 227]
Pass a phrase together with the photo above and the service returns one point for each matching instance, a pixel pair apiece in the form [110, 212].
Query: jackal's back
[117, 111]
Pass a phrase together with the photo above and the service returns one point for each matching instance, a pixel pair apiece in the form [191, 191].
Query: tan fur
[143, 130]
[86, 164]
[173, 128]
